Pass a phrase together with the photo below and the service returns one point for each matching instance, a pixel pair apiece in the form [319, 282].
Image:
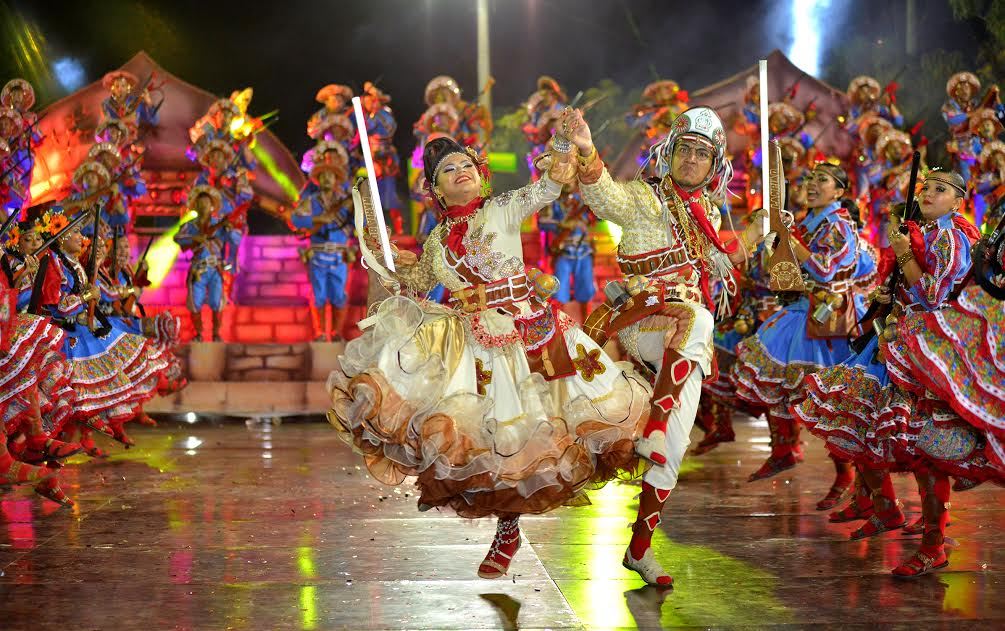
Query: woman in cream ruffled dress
[497, 402]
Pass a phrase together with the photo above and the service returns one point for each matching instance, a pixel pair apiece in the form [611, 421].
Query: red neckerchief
[692, 200]
[455, 238]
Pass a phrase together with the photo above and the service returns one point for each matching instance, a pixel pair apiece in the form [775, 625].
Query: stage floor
[262, 527]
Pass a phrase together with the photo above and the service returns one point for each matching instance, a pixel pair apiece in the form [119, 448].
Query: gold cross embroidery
[482, 376]
[588, 363]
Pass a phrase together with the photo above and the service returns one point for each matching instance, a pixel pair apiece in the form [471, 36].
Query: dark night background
[287, 50]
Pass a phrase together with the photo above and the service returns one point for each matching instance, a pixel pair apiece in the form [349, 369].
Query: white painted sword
[364, 144]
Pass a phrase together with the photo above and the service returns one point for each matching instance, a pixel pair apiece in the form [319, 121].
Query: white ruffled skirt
[418, 395]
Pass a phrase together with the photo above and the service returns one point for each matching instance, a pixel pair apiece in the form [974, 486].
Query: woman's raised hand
[574, 127]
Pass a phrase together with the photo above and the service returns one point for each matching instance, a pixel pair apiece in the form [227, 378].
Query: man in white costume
[671, 254]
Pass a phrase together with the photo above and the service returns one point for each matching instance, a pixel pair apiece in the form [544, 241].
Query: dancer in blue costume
[863, 410]
[205, 236]
[324, 215]
[804, 337]
[114, 371]
[126, 181]
[125, 104]
[572, 248]
[93, 186]
[544, 107]
[221, 172]
[963, 91]
[865, 98]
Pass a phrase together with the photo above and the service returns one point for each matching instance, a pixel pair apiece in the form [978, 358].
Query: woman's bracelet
[903, 259]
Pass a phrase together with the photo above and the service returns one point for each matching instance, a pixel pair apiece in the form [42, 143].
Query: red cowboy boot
[38, 446]
[931, 556]
[639, 555]
[197, 326]
[844, 480]
[784, 441]
[217, 326]
[317, 326]
[504, 547]
[669, 382]
[887, 514]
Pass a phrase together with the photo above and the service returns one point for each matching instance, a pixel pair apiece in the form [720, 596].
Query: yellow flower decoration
[57, 223]
[13, 235]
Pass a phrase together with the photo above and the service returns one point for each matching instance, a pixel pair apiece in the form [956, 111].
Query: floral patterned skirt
[34, 366]
[771, 365]
[958, 354]
[857, 410]
[115, 373]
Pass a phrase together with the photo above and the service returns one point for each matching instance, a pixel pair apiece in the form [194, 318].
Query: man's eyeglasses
[686, 151]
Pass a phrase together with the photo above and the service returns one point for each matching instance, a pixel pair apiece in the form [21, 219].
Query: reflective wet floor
[278, 527]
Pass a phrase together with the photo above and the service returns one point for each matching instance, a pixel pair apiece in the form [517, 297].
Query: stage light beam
[807, 19]
[164, 252]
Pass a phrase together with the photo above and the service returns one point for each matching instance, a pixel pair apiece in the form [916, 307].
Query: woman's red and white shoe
[504, 548]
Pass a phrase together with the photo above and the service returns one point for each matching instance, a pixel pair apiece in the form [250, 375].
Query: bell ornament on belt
[741, 326]
[636, 284]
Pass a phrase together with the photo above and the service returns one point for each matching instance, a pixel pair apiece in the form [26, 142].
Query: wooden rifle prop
[890, 89]
[99, 193]
[143, 257]
[339, 203]
[793, 89]
[138, 281]
[784, 271]
[306, 253]
[875, 317]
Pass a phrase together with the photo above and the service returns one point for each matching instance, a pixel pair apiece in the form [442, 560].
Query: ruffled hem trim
[476, 480]
[970, 392]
